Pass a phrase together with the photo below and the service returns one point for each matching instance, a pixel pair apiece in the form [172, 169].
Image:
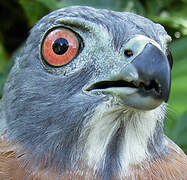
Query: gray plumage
[45, 109]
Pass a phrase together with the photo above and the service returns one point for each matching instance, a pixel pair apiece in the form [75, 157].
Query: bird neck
[118, 137]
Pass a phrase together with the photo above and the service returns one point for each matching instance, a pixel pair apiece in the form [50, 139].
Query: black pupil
[60, 46]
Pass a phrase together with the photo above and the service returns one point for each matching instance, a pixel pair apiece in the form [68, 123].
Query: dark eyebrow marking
[76, 24]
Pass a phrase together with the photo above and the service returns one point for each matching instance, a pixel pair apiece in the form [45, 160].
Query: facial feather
[50, 120]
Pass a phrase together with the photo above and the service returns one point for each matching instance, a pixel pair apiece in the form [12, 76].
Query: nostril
[153, 85]
[128, 52]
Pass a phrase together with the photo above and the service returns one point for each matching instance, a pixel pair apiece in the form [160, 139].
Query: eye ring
[60, 46]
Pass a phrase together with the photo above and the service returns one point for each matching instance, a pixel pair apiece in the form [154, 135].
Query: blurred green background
[18, 16]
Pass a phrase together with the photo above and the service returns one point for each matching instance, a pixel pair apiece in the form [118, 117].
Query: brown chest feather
[171, 167]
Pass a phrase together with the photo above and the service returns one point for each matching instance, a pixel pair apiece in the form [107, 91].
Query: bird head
[85, 79]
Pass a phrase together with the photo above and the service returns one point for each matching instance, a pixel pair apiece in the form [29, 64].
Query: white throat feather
[136, 129]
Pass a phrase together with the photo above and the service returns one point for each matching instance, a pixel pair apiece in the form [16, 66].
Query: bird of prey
[86, 99]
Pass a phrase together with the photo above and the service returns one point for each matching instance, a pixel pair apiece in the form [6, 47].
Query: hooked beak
[142, 84]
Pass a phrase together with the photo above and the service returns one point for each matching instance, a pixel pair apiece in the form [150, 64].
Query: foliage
[176, 123]
[170, 13]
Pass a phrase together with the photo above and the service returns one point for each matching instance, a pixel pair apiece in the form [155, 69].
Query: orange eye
[60, 46]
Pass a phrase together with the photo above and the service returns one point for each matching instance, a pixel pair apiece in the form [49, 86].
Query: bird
[86, 100]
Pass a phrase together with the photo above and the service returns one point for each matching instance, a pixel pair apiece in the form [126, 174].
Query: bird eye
[170, 57]
[60, 46]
